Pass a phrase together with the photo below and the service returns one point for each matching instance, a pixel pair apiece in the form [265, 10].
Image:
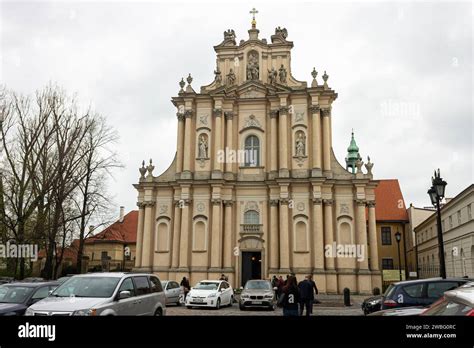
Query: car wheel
[189, 307]
[272, 307]
[218, 303]
[158, 312]
[242, 308]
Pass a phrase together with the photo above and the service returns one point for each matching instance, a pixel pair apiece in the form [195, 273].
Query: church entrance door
[251, 265]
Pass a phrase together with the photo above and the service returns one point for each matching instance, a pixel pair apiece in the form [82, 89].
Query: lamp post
[398, 237]
[436, 193]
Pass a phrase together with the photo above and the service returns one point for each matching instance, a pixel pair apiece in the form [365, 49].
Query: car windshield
[206, 286]
[258, 286]
[14, 294]
[87, 287]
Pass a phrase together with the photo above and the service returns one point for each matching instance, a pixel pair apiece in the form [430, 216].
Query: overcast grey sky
[403, 72]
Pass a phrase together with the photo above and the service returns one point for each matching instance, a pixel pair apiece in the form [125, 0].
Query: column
[318, 241]
[374, 253]
[273, 141]
[228, 234]
[273, 233]
[229, 115]
[179, 147]
[326, 139]
[328, 230]
[216, 246]
[362, 232]
[176, 232]
[283, 147]
[138, 250]
[217, 137]
[316, 130]
[148, 230]
[184, 244]
[284, 237]
[187, 140]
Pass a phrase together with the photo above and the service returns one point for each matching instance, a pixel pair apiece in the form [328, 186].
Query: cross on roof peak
[253, 12]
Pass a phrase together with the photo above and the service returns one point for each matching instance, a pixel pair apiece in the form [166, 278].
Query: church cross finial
[253, 12]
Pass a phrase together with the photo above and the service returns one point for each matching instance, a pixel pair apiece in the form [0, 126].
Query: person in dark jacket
[306, 296]
[315, 300]
[291, 297]
[186, 287]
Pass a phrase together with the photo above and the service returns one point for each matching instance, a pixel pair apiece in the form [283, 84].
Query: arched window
[251, 217]
[252, 151]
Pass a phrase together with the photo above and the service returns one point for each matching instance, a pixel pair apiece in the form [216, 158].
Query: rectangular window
[450, 222]
[386, 235]
[442, 225]
[142, 286]
[387, 263]
[104, 255]
[469, 212]
[459, 217]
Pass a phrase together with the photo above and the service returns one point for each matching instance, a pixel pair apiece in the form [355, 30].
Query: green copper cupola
[352, 154]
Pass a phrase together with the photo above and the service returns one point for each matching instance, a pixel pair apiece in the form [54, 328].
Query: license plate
[198, 300]
[256, 302]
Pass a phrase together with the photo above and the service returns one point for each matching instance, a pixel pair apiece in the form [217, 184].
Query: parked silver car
[259, 294]
[104, 294]
[173, 292]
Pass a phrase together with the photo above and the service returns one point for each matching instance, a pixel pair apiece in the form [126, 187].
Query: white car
[210, 293]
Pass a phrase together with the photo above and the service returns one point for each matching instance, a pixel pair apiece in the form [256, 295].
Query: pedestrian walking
[306, 296]
[186, 287]
[290, 298]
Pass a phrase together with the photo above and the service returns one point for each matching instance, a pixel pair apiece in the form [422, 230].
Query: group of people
[295, 297]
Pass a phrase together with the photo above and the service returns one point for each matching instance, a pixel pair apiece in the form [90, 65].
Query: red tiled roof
[125, 231]
[69, 252]
[389, 202]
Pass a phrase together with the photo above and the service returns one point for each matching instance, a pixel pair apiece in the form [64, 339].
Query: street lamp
[436, 193]
[398, 237]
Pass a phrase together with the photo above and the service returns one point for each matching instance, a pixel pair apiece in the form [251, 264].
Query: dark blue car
[15, 298]
[420, 292]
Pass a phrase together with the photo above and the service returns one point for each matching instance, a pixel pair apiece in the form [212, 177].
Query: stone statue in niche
[231, 78]
[252, 66]
[218, 78]
[282, 74]
[272, 76]
[300, 144]
[202, 153]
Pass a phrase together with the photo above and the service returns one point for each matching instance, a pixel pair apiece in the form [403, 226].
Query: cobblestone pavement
[327, 307]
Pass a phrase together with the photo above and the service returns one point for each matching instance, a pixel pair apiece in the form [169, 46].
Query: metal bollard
[347, 297]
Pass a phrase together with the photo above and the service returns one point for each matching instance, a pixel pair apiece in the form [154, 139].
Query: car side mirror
[124, 294]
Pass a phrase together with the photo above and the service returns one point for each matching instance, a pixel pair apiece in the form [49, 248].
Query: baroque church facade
[255, 189]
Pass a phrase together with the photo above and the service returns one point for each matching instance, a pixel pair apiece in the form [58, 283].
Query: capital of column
[317, 201]
[284, 201]
[314, 109]
[274, 113]
[371, 204]
[216, 201]
[361, 202]
[182, 203]
[180, 116]
[283, 110]
[188, 113]
[326, 112]
[140, 205]
[217, 112]
[148, 204]
[228, 203]
[328, 202]
[274, 202]
[229, 115]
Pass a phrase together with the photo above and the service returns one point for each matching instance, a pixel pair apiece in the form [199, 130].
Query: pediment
[252, 89]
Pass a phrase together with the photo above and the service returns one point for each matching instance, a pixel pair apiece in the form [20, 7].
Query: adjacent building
[457, 225]
[391, 218]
